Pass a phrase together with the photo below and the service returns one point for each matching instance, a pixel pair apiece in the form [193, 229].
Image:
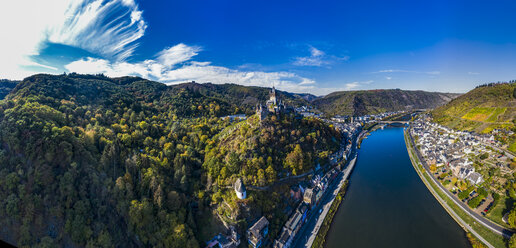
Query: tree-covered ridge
[263, 154]
[260, 152]
[94, 161]
[6, 86]
[244, 96]
[365, 102]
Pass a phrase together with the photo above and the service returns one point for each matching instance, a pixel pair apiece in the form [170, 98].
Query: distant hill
[244, 96]
[482, 109]
[6, 86]
[364, 102]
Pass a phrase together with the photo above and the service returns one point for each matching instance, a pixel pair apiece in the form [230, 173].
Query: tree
[295, 160]
[233, 162]
[484, 156]
[261, 177]
[271, 174]
[512, 241]
[512, 218]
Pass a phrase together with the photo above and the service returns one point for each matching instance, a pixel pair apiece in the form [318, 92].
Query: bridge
[392, 122]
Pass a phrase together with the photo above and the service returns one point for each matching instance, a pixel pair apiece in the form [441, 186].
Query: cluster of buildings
[221, 241]
[237, 117]
[272, 106]
[307, 111]
[441, 146]
[291, 228]
[257, 233]
[364, 118]
[306, 195]
[311, 196]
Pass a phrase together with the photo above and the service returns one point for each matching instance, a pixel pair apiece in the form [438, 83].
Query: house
[296, 193]
[292, 227]
[240, 189]
[310, 197]
[475, 178]
[318, 195]
[256, 234]
[221, 242]
[465, 172]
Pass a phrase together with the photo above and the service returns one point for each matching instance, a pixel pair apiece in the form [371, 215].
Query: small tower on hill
[240, 189]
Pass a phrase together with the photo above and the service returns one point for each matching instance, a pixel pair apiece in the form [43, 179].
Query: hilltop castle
[274, 105]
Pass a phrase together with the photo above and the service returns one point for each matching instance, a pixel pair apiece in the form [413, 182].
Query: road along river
[387, 204]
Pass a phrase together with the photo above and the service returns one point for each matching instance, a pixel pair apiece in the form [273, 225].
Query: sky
[300, 46]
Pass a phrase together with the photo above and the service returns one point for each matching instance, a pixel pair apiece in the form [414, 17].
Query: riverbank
[325, 227]
[486, 236]
[387, 205]
[325, 208]
[308, 233]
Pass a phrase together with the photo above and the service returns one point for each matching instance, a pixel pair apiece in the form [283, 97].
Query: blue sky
[300, 46]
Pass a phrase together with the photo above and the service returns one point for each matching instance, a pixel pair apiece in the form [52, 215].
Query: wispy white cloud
[317, 58]
[177, 54]
[355, 85]
[352, 86]
[175, 65]
[316, 52]
[473, 73]
[433, 72]
[388, 78]
[110, 30]
[85, 24]
[407, 71]
[89, 24]
[391, 70]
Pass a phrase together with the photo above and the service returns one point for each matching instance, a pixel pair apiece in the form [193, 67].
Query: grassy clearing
[474, 241]
[479, 114]
[495, 114]
[497, 212]
[512, 147]
[493, 238]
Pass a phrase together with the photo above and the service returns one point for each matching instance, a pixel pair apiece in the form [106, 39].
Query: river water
[387, 204]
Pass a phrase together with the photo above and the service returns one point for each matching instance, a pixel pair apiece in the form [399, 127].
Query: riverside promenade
[306, 236]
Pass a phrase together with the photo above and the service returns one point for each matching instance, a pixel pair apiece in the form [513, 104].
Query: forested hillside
[364, 102]
[6, 86]
[100, 162]
[245, 96]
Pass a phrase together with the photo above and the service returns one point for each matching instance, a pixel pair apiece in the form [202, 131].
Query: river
[387, 204]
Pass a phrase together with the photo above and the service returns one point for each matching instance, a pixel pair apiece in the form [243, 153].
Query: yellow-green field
[484, 114]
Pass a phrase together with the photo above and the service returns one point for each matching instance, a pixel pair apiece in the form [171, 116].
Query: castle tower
[272, 103]
[262, 114]
[273, 95]
[240, 189]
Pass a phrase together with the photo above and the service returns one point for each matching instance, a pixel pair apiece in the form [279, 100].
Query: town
[468, 165]
[306, 210]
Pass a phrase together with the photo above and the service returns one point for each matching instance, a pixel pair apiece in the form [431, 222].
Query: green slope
[6, 86]
[376, 101]
[244, 96]
[481, 110]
